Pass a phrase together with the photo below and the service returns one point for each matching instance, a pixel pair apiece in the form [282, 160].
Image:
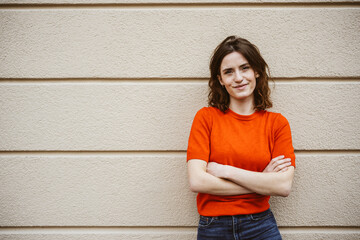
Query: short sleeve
[199, 139]
[282, 139]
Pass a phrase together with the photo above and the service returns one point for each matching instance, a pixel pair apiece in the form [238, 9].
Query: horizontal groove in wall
[179, 153]
[165, 80]
[327, 152]
[106, 81]
[152, 230]
[92, 230]
[94, 153]
[318, 79]
[179, 5]
[325, 230]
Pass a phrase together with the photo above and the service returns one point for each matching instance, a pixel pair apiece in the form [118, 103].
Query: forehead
[232, 60]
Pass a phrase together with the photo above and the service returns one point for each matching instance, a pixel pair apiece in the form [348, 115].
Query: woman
[238, 153]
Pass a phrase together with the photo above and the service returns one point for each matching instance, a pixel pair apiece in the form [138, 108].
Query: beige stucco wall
[97, 99]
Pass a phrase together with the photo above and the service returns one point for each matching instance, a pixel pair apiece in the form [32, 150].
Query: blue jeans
[253, 226]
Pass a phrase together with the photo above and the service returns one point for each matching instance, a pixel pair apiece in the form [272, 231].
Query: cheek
[229, 90]
[226, 81]
[253, 87]
[254, 84]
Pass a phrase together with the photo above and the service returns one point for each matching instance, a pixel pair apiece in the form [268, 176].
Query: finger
[285, 168]
[281, 161]
[285, 160]
[282, 166]
[274, 160]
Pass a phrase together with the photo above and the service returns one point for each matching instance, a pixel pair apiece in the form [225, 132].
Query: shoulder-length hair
[218, 96]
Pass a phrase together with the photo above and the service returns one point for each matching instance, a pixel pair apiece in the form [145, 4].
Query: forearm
[273, 183]
[206, 183]
[203, 182]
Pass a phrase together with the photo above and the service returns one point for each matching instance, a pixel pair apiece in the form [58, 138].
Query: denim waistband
[245, 216]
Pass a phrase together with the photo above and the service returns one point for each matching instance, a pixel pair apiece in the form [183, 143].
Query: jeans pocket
[205, 221]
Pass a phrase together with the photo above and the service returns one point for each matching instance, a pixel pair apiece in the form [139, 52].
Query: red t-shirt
[248, 142]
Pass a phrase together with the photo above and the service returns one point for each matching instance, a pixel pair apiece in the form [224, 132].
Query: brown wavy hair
[218, 96]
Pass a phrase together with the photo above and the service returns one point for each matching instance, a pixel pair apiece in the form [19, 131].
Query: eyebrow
[242, 65]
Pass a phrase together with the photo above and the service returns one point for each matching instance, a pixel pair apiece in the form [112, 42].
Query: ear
[257, 75]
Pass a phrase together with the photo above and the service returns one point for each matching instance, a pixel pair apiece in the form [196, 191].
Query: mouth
[241, 86]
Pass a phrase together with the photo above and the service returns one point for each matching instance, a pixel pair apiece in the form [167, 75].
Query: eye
[227, 71]
[246, 67]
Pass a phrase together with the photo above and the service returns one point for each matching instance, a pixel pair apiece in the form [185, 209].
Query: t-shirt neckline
[242, 117]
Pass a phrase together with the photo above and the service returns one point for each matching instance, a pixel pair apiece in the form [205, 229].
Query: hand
[278, 164]
[216, 169]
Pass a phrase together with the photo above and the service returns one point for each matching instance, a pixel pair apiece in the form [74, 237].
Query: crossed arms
[218, 179]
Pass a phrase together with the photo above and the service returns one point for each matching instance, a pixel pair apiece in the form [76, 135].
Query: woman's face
[237, 76]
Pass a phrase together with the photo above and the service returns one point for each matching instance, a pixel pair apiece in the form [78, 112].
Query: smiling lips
[241, 86]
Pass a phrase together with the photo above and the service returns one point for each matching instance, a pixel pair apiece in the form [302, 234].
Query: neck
[242, 107]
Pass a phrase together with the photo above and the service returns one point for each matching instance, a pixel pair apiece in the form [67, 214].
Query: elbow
[198, 177]
[286, 184]
[285, 193]
[198, 185]
[195, 185]
[284, 190]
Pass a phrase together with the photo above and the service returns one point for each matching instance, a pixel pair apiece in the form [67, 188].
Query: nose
[238, 76]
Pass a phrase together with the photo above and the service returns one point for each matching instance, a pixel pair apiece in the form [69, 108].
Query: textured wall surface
[97, 99]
